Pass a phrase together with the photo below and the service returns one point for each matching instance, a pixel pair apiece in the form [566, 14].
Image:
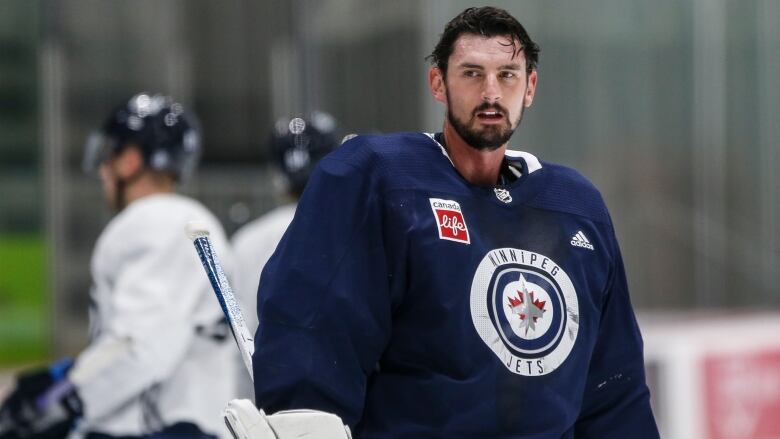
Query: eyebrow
[513, 66]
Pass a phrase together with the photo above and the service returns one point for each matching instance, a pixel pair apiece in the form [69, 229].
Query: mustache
[491, 107]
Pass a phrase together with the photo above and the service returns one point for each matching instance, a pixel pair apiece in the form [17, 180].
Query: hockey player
[443, 285]
[297, 145]
[155, 366]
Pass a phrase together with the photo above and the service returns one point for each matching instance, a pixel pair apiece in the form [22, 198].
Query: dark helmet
[168, 135]
[299, 143]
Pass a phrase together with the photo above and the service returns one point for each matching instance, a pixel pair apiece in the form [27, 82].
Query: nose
[491, 91]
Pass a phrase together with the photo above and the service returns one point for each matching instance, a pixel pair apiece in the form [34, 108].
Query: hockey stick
[199, 234]
[241, 416]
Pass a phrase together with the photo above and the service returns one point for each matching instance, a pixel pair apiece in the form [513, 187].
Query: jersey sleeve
[323, 301]
[154, 293]
[617, 401]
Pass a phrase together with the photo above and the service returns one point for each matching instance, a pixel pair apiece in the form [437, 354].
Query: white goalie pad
[245, 421]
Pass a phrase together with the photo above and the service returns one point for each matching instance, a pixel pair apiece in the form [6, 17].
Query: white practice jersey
[160, 352]
[253, 245]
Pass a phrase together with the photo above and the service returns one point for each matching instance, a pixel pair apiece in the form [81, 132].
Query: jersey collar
[517, 161]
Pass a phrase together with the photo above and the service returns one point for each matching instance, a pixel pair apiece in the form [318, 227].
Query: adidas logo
[579, 240]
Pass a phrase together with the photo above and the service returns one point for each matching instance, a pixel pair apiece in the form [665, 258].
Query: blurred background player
[297, 145]
[159, 343]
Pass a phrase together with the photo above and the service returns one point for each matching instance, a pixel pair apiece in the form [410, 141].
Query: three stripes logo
[579, 240]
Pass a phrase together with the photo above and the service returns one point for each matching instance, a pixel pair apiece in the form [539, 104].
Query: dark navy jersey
[414, 304]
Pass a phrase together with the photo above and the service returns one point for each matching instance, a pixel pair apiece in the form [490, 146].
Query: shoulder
[169, 210]
[161, 218]
[373, 151]
[267, 227]
[567, 190]
[387, 161]
[384, 145]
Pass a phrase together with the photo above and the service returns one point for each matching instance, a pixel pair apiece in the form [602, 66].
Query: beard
[489, 137]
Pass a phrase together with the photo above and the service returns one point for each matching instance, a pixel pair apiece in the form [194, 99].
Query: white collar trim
[531, 161]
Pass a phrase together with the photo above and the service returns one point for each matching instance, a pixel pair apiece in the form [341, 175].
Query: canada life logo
[449, 219]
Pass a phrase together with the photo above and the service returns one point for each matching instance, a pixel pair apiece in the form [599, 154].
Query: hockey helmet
[168, 135]
[299, 143]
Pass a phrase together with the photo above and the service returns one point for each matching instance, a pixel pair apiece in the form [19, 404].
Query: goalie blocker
[245, 421]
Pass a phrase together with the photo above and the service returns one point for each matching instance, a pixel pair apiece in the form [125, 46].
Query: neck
[148, 184]
[478, 167]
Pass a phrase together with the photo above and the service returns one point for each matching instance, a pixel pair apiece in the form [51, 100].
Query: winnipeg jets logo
[525, 309]
[528, 309]
[450, 221]
[503, 195]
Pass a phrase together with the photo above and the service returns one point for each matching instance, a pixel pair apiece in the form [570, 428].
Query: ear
[530, 91]
[129, 161]
[436, 83]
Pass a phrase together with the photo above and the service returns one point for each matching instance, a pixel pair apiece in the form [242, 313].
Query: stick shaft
[221, 286]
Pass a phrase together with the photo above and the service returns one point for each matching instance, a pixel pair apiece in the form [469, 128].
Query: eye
[471, 73]
[507, 75]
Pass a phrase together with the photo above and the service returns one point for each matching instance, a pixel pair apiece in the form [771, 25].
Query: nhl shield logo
[503, 195]
[449, 220]
[524, 308]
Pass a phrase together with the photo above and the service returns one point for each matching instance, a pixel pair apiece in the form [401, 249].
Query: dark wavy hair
[488, 22]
